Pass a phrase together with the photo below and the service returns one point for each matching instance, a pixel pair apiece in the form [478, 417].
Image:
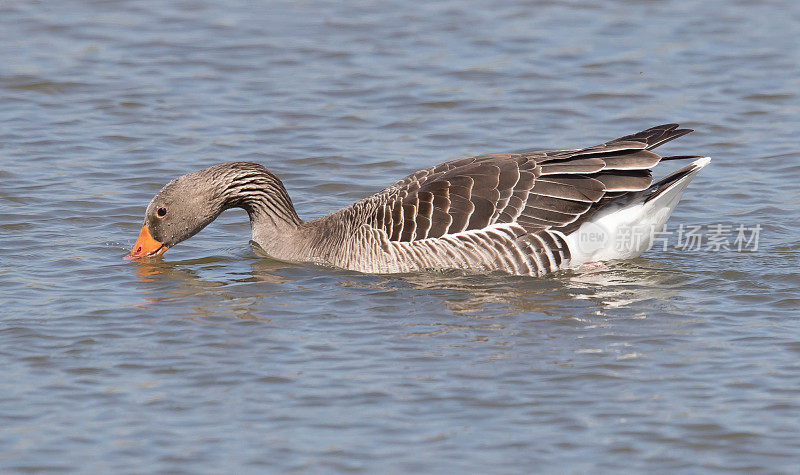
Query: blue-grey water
[215, 360]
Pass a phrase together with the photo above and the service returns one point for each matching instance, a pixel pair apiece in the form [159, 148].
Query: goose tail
[626, 229]
[670, 188]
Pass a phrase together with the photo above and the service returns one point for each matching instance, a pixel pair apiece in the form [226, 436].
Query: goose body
[527, 213]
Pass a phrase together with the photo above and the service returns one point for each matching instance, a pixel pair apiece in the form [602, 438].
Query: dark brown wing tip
[655, 136]
[680, 157]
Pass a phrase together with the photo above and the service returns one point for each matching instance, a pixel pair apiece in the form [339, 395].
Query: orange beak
[146, 246]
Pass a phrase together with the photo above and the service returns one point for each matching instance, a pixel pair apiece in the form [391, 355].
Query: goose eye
[161, 212]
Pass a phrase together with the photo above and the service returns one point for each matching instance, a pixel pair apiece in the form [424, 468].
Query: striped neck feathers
[258, 191]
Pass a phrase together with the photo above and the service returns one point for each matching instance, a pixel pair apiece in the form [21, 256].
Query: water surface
[213, 359]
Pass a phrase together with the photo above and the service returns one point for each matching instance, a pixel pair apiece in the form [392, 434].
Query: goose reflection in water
[564, 295]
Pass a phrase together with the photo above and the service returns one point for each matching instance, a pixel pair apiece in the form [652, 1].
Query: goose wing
[537, 190]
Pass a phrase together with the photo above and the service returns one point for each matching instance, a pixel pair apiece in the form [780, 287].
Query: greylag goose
[526, 213]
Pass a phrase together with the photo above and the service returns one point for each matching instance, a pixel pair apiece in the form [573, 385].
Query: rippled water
[213, 359]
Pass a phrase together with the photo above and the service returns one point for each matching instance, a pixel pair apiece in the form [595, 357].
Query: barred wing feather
[513, 208]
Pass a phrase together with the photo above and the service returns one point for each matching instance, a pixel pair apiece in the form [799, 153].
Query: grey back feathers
[504, 212]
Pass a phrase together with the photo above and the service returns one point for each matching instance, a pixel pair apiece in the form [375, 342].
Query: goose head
[189, 203]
